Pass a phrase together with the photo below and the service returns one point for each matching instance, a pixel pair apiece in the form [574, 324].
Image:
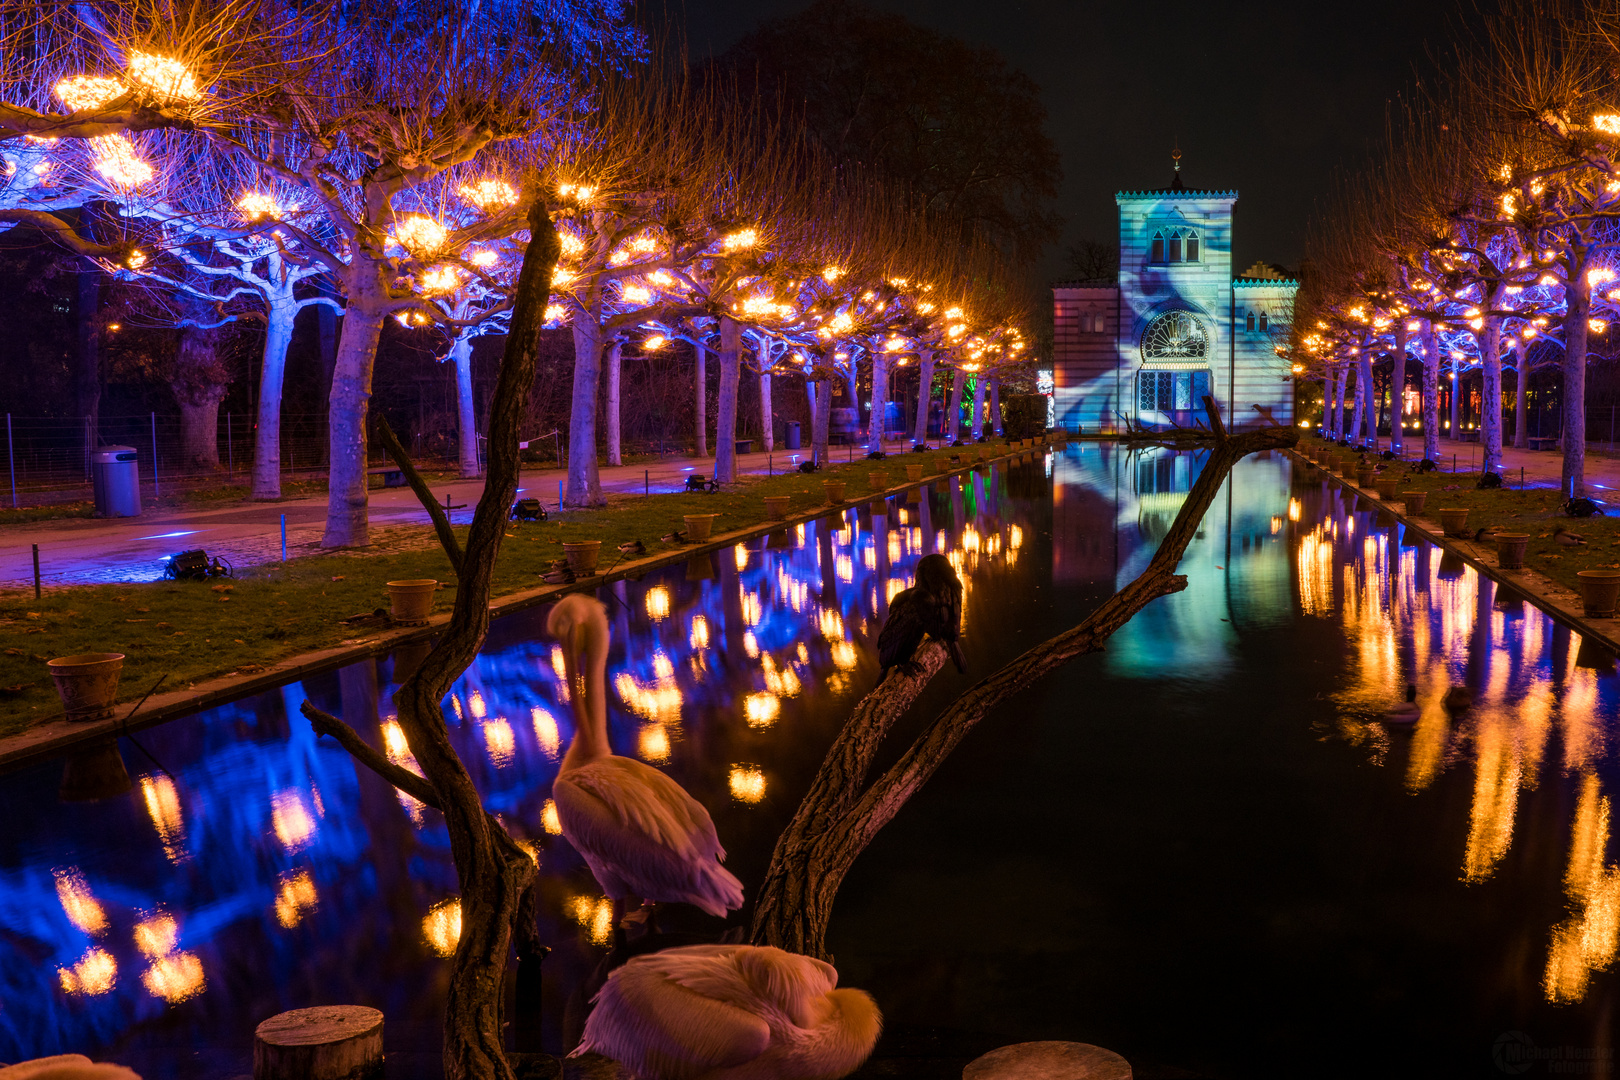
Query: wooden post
[328, 1042]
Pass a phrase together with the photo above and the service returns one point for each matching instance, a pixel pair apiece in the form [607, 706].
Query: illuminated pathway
[80, 551]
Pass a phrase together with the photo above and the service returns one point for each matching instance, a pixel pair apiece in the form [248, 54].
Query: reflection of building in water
[1112, 506]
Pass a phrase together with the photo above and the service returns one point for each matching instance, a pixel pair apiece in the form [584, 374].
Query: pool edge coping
[51, 737]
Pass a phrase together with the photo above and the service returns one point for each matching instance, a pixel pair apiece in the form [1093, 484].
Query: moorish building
[1176, 325]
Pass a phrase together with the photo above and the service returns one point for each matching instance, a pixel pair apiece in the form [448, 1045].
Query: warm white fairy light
[488, 194]
[256, 205]
[484, 258]
[636, 294]
[654, 342]
[420, 234]
[441, 279]
[88, 91]
[118, 161]
[163, 78]
[741, 240]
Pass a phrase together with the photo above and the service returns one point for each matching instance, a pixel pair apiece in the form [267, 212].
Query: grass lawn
[1537, 511]
[195, 630]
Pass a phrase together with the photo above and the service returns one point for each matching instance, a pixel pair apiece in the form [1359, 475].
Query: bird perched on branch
[641, 834]
[738, 1012]
[932, 606]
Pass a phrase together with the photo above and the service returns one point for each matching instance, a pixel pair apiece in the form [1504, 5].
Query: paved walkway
[85, 550]
[1538, 468]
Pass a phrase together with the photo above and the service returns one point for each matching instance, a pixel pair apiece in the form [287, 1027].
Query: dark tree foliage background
[955, 121]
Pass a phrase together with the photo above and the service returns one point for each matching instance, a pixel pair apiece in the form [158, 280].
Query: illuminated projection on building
[1176, 326]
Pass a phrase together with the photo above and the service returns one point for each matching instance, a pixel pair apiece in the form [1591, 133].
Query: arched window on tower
[1175, 246]
[1249, 324]
[1192, 245]
[1157, 254]
[1262, 322]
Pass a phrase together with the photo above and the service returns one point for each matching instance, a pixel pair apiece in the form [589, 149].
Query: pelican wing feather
[648, 1017]
[638, 828]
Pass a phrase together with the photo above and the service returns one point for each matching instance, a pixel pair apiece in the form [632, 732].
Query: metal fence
[48, 458]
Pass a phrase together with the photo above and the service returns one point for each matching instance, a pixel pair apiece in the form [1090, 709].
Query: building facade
[1177, 324]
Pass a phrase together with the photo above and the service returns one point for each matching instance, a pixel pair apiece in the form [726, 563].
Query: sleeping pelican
[66, 1067]
[731, 1012]
[639, 832]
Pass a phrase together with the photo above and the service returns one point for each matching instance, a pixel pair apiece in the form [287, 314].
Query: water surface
[1200, 847]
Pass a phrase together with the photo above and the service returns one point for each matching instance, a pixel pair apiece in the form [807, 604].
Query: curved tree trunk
[880, 402]
[496, 876]
[584, 481]
[461, 352]
[1490, 396]
[700, 367]
[845, 807]
[995, 403]
[615, 371]
[347, 524]
[1431, 393]
[280, 316]
[925, 395]
[953, 410]
[1456, 396]
[1521, 416]
[977, 427]
[725, 423]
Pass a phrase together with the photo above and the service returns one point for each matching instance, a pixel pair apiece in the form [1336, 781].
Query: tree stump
[1049, 1061]
[329, 1042]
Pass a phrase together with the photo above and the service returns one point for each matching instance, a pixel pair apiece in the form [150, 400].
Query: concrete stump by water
[1049, 1061]
[328, 1042]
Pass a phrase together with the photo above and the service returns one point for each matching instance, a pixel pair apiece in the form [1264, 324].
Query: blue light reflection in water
[269, 872]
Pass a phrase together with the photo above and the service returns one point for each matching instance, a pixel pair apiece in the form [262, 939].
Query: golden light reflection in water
[549, 819]
[545, 731]
[747, 783]
[295, 898]
[700, 632]
[657, 603]
[895, 552]
[659, 700]
[175, 975]
[294, 825]
[1587, 941]
[845, 568]
[399, 752]
[662, 665]
[163, 807]
[753, 612]
[441, 926]
[595, 914]
[894, 587]
[740, 554]
[475, 705]
[499, 742]
[782, 681]
[1496, 799]
[762, 710]
[832, 624]
[750, 645]
[654, 743]
[81, 907]
[94, 974]
[157, 935]
[844, 655]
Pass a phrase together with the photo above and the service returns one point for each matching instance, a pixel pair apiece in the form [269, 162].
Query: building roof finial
[1175, 154]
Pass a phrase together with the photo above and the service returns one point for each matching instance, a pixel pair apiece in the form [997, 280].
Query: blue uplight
[165, 536]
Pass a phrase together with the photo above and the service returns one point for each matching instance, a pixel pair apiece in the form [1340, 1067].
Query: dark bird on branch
[932, 606]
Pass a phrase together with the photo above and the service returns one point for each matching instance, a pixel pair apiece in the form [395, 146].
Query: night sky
[1267, 98]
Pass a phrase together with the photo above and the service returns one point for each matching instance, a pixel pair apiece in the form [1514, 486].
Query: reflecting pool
[1201, 847]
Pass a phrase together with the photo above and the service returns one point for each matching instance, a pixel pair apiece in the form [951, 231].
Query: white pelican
[66, 1067]
[731, 1012]
[640, 833]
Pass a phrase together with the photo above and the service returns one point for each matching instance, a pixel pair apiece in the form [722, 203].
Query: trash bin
[117, 479]
[791, 439]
